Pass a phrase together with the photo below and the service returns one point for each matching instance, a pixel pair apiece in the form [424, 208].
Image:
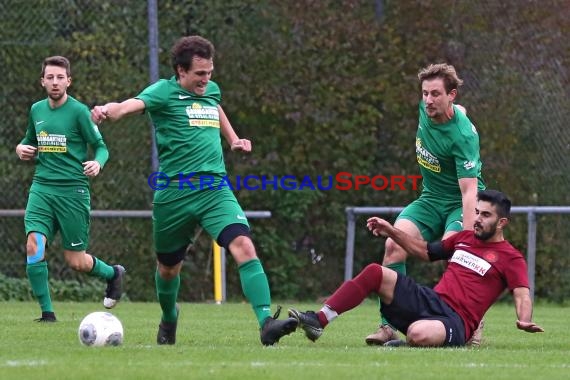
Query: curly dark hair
[186, 48]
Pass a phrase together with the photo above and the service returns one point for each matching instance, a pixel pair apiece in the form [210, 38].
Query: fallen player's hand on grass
[530, 327]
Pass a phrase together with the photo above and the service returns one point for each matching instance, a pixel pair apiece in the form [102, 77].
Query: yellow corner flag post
[217, 252]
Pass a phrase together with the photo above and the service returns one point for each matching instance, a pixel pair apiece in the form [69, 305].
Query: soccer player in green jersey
[189, 120]
[59, 131]
[447, 151]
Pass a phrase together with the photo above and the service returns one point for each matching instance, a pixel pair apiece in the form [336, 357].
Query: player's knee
[168, 272]
[391, 247]
[235, 235]
[393, 252]
[77, 261]
[373, 269]
[420, 334]
[31, 248]
[35, 248]
[417, 336]
[370, 278]
[169, 263]
[236, 239]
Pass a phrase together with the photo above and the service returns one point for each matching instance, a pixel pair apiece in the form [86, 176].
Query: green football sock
[256, 288]
[38, 276]
[400, 268]
[167, 293]
[101, 269]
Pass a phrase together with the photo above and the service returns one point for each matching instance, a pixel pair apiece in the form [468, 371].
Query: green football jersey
[187, 128]
[447, 152]
[62, 136]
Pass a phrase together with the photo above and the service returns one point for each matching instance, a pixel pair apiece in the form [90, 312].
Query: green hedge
[18, 289]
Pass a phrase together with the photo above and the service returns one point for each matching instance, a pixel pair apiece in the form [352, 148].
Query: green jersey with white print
[62, 136]
[187, 128]
[447, 152]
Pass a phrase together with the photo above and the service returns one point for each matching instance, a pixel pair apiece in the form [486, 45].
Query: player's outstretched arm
[115, 111]
[523, 307]
[415, 247]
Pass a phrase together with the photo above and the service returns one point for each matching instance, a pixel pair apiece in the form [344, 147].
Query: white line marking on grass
[25, 363]
[305, 364]
[507, 365]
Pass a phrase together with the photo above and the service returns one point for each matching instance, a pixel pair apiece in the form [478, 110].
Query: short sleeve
[466, 152]
[155, 95]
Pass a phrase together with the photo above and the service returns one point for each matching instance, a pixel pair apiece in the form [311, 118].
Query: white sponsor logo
[470, 261]
[39, 122]
[425, 158]
[469, 165]
[76, 244]
[241, 217]
[182, 97]
[197, 111]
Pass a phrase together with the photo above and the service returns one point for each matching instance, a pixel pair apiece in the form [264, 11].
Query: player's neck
[445, 117]
[496, 238]
[57, 103]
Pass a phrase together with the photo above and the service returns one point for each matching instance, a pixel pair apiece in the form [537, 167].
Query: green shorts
[176, 214]
[434, 217]
[48, 213]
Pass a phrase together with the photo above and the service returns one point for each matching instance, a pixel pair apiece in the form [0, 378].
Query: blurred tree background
[319, 87]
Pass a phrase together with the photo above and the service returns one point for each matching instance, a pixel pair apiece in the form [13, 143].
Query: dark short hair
[186, 48]
[501, 202]
[56, 60]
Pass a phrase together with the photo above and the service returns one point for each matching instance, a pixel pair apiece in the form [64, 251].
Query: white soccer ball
[100, 329]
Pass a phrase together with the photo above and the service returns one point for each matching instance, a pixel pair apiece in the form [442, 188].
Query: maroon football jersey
[477, 274]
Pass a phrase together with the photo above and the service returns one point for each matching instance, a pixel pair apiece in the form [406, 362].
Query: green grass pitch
[222, 342]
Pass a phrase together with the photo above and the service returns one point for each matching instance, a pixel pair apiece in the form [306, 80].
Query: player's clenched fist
[99, 113]
[243, 145]
[378, 226]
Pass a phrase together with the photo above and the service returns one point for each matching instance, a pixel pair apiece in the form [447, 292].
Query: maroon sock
[352, 293]
[322, 319]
